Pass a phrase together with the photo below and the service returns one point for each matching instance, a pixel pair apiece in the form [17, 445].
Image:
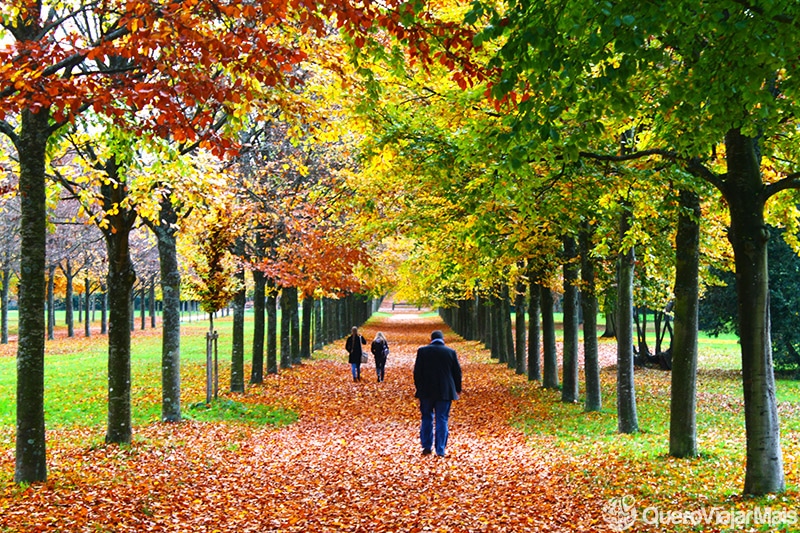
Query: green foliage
[718, 308]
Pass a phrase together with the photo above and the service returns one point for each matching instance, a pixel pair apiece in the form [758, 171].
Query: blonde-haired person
[380, 349]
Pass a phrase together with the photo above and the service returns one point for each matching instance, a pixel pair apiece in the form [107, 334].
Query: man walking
[437, 378]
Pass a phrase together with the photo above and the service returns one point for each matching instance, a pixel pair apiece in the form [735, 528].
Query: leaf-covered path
[351, 463]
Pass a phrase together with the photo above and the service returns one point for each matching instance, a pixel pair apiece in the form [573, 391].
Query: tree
[9, 256]
[117, 57]
[683, 417]
[588, 58]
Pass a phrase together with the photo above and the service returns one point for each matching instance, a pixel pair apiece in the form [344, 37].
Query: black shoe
[426, 451]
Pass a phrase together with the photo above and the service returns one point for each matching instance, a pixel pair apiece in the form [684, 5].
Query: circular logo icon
[620, 513]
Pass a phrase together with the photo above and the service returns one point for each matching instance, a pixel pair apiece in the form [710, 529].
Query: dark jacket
[354, 351]
[437, 374]
[380, 349]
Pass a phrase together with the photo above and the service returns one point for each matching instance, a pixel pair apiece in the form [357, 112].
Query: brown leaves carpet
[351, 463]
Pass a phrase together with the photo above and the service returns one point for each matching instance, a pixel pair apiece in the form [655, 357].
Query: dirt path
[351, 463]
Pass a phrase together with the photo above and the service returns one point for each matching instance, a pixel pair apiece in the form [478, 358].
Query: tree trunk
[520, 331]
[272, 327]
[30, 458]
[4, 306]
[305, 340]
[142, 306]
[497, 343]
[591, 363]
[508, 333]
[165, 233]
[295, 325]
[51, 302]
[627, 418]
[318, 337]
[683, 412]
[237, 351]
[550, 359]
[151, 299]
[569, 389]
[610, 313]
[104, 312]
[259, 306]
[743, 190]
[121, 277]
[534, 343]
[69, 298]
[286, 330]
[87, 295]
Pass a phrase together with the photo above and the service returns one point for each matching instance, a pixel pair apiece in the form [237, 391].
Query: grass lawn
[76, 378]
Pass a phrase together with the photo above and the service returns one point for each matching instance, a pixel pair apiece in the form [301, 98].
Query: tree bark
[286, 330]
[550, 358]
[104, 312]
[142, 306]
[743, 190]
[627, 418]
[259, 307]
[69, 298]
[151, 300]
[520, 331]
[610, 313]
[569, 389]
[87, 295]
[534, 342]
[4, 306]
[165, 232]
[594, 401]
[294, 335]
[305, 340]
[508, 333]
[272, 327]
[318, 337]
[51, 302]
[683, 408]
[121, 277]
[237, 350]
[498, 346]
[30, 458]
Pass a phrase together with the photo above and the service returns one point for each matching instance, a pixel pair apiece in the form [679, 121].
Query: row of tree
[209, 124]
[616, 149]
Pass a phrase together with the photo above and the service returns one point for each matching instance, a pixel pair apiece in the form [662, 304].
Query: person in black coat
[437, 378]
[380, 349]
[354, 350]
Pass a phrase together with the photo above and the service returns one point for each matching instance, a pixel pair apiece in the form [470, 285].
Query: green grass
[76, 382]
[226, 410]
[612, 464]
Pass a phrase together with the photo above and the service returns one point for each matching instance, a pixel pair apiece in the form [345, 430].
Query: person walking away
[437, 379]
[355, 351]
[380, 350]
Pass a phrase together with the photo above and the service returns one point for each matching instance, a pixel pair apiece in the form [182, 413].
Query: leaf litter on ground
[351, 462]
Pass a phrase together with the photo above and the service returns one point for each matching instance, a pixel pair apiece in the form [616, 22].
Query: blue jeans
[430, 410]
[356, 370]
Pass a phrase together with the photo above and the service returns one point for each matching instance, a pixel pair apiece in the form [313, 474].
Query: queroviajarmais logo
[620, 513]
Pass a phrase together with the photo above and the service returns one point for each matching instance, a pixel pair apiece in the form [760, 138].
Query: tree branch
[629, 157]
[6, 128]
[792, 181]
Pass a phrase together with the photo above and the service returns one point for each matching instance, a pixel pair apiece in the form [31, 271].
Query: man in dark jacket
[437, 378]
